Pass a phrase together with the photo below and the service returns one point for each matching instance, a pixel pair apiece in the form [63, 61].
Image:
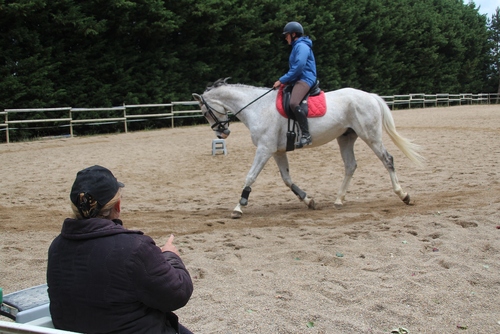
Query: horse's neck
[249, 104]
[242, 97]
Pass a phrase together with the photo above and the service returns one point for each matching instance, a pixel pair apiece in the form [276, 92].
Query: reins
[234, 115]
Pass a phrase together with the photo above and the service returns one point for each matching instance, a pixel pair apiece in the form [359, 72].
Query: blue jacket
[302, 63]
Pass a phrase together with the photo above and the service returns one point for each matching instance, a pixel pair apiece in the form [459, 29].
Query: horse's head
[215, 113]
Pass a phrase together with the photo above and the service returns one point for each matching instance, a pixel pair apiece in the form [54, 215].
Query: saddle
[315, 97]
[283, 101]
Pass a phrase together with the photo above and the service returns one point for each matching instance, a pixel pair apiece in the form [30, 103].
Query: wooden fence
[168, 110]
[444, 99]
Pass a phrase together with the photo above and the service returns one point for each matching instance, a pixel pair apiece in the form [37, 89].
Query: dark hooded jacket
[103, 278]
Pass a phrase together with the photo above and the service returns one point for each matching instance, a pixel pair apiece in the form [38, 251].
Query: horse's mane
[223, 82]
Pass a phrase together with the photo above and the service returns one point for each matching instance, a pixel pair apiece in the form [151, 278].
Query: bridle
[221, 126]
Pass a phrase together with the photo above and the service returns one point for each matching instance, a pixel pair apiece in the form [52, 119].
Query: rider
[301, 74]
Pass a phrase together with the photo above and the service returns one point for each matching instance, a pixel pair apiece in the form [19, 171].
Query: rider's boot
[301, 118]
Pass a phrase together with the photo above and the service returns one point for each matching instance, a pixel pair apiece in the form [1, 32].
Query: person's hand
[169, 246]
[277, 84]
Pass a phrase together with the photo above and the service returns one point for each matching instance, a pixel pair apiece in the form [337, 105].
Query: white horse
[350, 114]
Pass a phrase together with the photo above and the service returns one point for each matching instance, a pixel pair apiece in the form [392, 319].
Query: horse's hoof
[311, 205]
[338, 204]
[236, 214]
[406, 200]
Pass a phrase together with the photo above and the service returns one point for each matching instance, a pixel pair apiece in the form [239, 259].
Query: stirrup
[304, 141]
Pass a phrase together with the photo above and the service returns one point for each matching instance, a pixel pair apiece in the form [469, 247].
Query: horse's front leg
[282, 162]
[262, 155]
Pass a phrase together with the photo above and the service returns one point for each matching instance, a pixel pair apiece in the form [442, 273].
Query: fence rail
[127, 115]
[442, 99]
[126, 112]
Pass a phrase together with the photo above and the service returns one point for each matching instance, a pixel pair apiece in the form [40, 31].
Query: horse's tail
[409, 148]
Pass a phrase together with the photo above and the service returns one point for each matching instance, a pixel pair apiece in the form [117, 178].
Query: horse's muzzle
[224, 134]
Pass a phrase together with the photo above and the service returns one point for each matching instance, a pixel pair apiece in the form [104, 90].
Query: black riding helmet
[293, 27]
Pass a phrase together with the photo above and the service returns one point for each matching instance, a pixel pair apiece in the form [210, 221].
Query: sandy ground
[373, 266]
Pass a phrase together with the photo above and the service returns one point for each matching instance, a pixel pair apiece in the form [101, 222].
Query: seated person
[104, 278]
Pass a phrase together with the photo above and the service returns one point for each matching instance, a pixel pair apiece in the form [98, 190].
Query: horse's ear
[226, 79]
[197, 97]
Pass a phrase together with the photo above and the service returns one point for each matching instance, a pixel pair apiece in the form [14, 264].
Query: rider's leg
[300, 89]
[301, 118]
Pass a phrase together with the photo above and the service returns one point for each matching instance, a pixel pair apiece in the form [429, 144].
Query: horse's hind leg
[282, 162]
[388, 162]
[346, 145]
